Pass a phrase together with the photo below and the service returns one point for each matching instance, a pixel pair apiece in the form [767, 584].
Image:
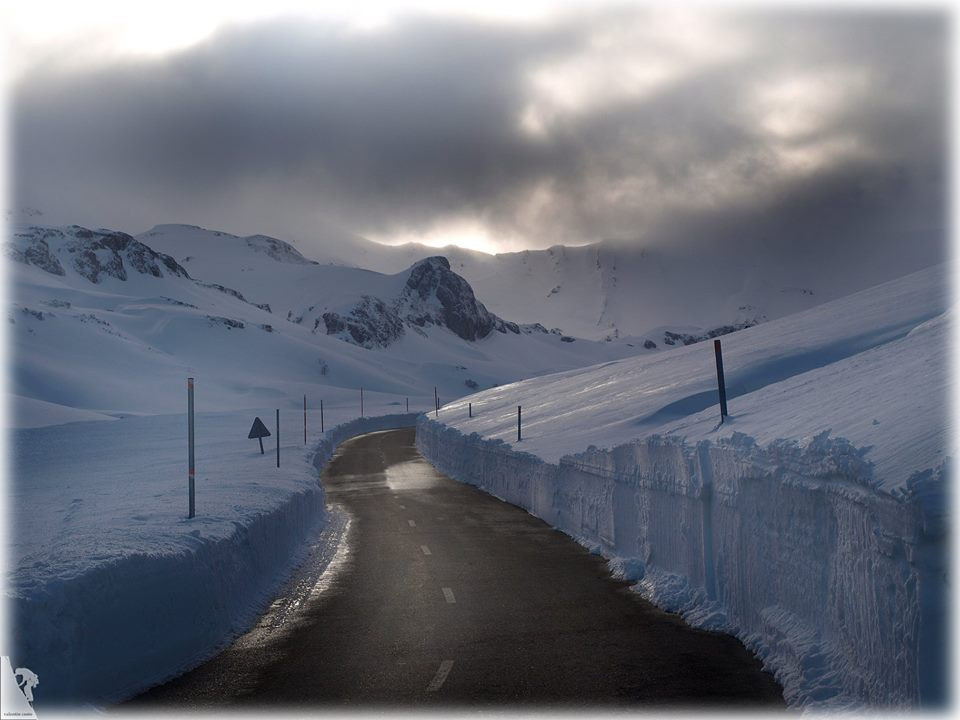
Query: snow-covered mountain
[105, 324]
[646, 292]
[653, 295]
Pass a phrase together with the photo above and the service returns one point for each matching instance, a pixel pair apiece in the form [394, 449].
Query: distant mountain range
[262, 318]
[106, 324]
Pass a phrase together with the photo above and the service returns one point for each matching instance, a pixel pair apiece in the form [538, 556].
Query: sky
[521, 125]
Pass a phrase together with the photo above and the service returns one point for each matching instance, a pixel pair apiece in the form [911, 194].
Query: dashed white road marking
[403, 507]
[441, 676]
[448, 594]
[426, 550]
[412, 523]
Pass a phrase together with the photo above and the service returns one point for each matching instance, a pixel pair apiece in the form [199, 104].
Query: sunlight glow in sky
[495, 126]
[469, 234]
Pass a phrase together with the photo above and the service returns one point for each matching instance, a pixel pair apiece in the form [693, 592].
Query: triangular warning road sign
[258, 430]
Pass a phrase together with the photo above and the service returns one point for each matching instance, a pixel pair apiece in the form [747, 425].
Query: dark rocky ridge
[433, 295]
[37, 253]
[234, 293]
[92, 253]
[673, 338]
[370, 323]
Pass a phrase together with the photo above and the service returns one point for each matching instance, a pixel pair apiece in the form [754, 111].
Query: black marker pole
[720, 383]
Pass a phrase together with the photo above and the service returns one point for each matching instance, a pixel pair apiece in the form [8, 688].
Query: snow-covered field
[113, 588]
[811, 523]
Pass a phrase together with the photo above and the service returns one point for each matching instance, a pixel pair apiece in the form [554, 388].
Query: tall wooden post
[519, 415]
[436, 402]
[191, 482]
[470, 409]
[720, 383]
[278, 437]
[408, 404]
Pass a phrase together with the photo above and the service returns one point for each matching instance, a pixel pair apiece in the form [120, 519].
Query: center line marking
[426, 550]
[441, 676]
[413, 523]
[448, 594]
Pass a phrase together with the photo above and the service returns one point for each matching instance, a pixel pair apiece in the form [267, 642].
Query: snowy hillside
[811, 522]
[359, 306]
[103, 323]
[644, 292]
[826, 360]
[659, 295]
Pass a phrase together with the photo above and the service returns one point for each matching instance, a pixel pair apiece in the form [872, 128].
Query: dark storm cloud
[267, 128]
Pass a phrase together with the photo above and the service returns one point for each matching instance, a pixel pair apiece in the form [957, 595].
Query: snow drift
[121, 619]
[812, 523]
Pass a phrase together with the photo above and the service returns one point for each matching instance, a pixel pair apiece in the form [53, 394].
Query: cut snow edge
[130, 624]
[839, 588]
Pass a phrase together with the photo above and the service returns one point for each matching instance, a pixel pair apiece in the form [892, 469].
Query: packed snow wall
[839, 588]
[126, 625]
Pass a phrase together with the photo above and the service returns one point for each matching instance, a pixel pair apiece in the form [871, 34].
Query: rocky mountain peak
[436, 295]
[433, 295]
[93, 254]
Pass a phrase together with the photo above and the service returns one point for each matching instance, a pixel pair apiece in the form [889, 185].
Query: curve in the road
[446, 596]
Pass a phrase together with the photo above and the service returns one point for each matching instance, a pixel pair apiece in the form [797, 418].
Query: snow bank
[361, 426]
[149, 607]
[811, 523]
[837, 587]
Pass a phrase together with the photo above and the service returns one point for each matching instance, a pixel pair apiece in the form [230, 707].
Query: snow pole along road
[721, 384]
[191, 471]
[446, 595]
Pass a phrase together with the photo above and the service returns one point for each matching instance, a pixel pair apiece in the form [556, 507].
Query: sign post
[720, 383]
[190, 451]
[470, 409]
[258, 431]
[519, 415]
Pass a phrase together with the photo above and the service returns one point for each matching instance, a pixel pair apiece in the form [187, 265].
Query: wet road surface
[444, 596]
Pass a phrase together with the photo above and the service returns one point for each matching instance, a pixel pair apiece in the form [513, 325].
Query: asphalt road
[442, 595]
